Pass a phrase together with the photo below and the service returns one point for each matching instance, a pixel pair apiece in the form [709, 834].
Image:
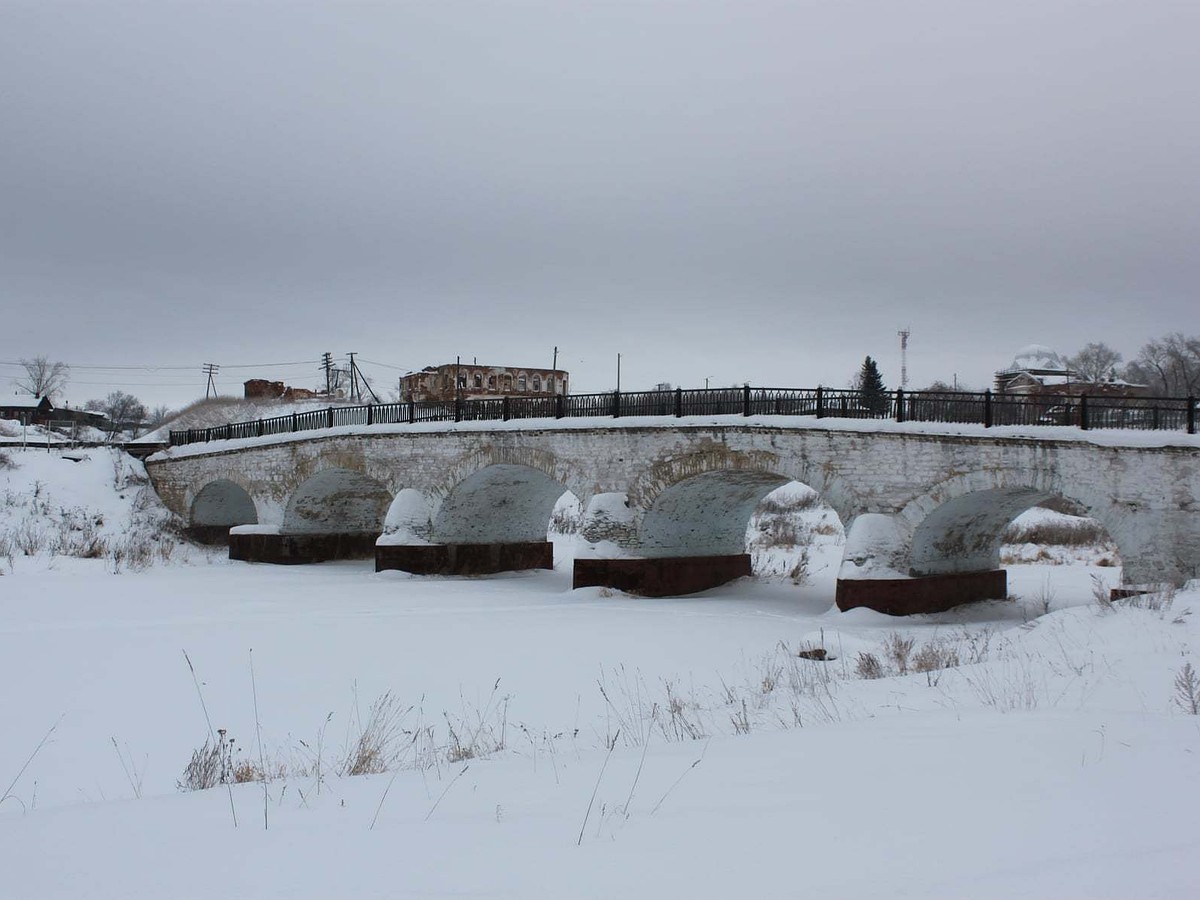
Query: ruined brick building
[262, 389]
[473, 381]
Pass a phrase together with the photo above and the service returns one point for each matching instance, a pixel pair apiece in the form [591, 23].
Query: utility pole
[327, 365]
[210, 369]
[618, 372]
[361, 380]
[355, 394]
[554, 365]
[904, 333]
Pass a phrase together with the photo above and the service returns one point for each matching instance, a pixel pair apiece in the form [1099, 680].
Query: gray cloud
[741, 191]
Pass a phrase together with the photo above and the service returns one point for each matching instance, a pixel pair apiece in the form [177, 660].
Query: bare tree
[43, 378]
[158, 416]
[1095, 363]
[122, 409]
[1169, 365]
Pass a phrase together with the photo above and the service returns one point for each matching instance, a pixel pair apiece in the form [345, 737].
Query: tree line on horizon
[1168, 366]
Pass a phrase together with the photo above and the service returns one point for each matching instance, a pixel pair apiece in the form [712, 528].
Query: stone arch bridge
[923, 512]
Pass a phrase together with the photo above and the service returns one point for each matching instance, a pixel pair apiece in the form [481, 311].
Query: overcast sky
[737, 190]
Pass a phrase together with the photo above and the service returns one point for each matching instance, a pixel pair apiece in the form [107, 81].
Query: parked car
[1061, 414]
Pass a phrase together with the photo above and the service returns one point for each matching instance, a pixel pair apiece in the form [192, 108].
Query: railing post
[260, 427]
[296, 422]
[370, 413]
[1083, 412]
[504, 410]
[678, 402]
[329, 416]
[457, 408]
[616, 404]
[746, 400]
[412, 411]
[820, 402]
[560, 405]
[1191, 415]
[987, 408]
[899, 404]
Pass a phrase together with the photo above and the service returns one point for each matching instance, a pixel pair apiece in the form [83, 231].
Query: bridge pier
[923, 594]
[464, 559]
[877, 573]
[294, 549]
[665, 576]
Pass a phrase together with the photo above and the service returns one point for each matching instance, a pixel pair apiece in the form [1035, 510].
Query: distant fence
[987, 409]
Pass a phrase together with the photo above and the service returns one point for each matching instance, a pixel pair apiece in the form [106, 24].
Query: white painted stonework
[937, 501]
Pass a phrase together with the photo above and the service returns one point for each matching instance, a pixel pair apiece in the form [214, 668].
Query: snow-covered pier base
[926, 594]
[464, 559]
[292, 549]
[666, 576]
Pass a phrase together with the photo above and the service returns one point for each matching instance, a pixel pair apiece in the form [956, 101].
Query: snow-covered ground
[544, 742]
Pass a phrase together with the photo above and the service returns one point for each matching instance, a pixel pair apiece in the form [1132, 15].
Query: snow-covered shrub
[1047, 536]
[785, 529]
[898, 649]
[1055, 528]
[209, 766]
[1187, 690]
[567, 516]
[380, 741]
[868, 666]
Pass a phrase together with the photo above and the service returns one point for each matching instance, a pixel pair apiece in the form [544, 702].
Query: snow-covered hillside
[528, 740]
[222, 410]
[93, 503]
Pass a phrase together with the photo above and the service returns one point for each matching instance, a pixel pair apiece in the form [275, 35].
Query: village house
[27, 410]
[1038, 371]
[472, 381]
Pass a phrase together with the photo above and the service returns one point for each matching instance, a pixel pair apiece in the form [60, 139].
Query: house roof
[27, 403]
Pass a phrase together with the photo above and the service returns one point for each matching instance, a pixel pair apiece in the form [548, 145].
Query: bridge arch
[646, 488]
[337, 501]
[529, 457]
[957, 526]
[700, 504]
[219, 506]
[499, 503]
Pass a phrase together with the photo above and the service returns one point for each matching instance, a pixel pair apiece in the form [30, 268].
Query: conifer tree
[873, 392]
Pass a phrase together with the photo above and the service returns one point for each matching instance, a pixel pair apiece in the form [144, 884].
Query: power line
[384, 365]
[153, 368]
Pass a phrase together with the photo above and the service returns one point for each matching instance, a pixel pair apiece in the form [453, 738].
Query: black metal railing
[1083, 411]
